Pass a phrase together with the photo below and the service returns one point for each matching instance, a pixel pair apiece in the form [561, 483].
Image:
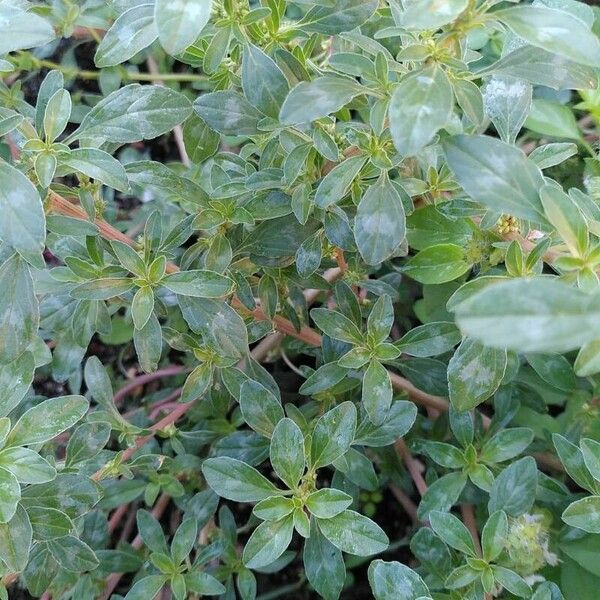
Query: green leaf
[430, 339]
[399, 420]
[541, 67]
[184, 540]
[566, 217]
[132, 31]
[420, 106]
[591, 456]
[335, 185]
[377, 392]
[287, 452]
[180, 23]
[235, 480]
[45, 168]
[9, 120]
[333, 434]
[260, 408]
[395, 581]
[263, 82]
[200, 141]
[513, 490]
[218, 323]
[469, 98]
[336, 325]
[452, 531]
[311, 100]
[146, 588]
[572, 459]
[588, 360]
[324, 565]
[19, 317]
[133, 113]
[328, 502]
[102, 289]
[437, 264]
[474, 374]
[99, 165]
[198, 283]
[70, 493]
[274, 508]
[26, 465]
[496, 174]
[228, 112]
[151, 532]
[47, 419]
[584, 514]
[268, 542]
[552, 119]
[98, 382]
[342, 15]
[325, 377]
[354, 533]
[197, 382]
[550, 155]
[379, 226]
[23, 29]
[10, 494]
[49, 523]
[148, 344]
[15, 379]
[23, 225]
[507, 102]
[87, 441]
[506, 444]
[142, 306]
[442, 494]
[514, 583]
[203, 583]
[493, 535]
[554, 30]
[428, 14]
[56, 115]
[15, 541]
[302, 523]
[530, 315]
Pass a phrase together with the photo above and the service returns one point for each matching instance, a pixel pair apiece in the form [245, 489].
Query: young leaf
[380, 226]
[132, 31]
[395, 581]
[311, 100]
[554, 317]
[554, 30]
[376, 392]
[268, 542]
[134, 113]
[420, 106]
[235, 480]
[496, 174]
[452, 531]
[263, 82]
[179, 24]
[47, 419]
[23, 225]
[513, 491]
[333, 434]
[474, 374]
[354, 533]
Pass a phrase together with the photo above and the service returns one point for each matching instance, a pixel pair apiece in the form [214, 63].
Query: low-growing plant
[299, 298]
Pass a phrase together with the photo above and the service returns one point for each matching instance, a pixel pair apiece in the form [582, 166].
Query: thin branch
[468, 517]
[412, 466]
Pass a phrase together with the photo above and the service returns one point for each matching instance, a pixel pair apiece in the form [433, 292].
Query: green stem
[127, 75]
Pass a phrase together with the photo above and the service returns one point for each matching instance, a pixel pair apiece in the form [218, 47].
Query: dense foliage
[175, 416]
